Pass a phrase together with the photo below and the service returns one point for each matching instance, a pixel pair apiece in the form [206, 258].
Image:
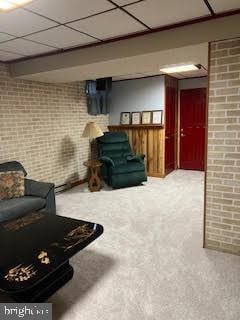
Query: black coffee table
[35, 252]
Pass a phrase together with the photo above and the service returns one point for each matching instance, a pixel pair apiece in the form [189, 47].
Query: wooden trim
[136, 126]
[156, 175]
[129, 36]
[206, 152]
[79, 182]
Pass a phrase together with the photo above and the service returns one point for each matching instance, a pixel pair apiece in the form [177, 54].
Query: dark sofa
[39, 196]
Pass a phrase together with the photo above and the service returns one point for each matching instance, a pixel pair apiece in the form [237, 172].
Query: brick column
[223, 165]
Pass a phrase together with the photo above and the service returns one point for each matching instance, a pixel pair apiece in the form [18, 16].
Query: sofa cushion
[12, 166]
[14, 208]
[128, 167]
[11, 184]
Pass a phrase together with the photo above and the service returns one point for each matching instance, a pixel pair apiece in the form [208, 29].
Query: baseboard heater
[69, 185]
[63, 187]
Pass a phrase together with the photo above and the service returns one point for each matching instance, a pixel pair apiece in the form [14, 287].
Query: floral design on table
[43, 257]
[75, 237]
[20, 273]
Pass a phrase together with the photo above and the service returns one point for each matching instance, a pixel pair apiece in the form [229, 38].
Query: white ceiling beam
[221, 28]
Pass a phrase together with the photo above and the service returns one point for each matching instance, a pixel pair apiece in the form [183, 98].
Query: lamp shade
[92, 131]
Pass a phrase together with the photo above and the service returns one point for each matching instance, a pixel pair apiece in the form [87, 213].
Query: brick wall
[41, 126]
[223, 169]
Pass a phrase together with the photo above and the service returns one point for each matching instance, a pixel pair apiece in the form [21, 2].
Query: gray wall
[136, 95]
[193, 83]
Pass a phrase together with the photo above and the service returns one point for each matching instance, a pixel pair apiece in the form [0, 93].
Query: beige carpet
[149, 263]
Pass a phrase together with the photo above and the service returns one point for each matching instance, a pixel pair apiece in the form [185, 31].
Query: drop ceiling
[44, 26]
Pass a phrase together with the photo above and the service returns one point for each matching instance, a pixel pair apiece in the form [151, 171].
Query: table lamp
[92, 131]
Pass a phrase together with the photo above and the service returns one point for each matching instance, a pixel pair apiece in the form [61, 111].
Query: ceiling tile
[24, 47]
[5, 37]
[68, 10]
[157, 13]
[7, 56]
[224, 5]
[20, 22]
[124, 2]
[61, 37]
[108, 25]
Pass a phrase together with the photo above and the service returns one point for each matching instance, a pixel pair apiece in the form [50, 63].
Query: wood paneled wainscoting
[149, 140]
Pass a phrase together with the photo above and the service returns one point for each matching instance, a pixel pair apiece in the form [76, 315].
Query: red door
[170, 129]
[192, 128]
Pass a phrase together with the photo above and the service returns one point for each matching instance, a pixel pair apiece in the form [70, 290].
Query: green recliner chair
[121, 168]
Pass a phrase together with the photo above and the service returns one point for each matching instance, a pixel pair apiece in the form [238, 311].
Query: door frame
[168, 80]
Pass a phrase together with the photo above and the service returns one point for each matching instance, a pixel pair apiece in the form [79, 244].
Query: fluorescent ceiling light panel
[177, 69]
[7, 5]
[20, 2]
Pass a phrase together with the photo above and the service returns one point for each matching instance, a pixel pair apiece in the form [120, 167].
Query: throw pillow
[11, 184]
